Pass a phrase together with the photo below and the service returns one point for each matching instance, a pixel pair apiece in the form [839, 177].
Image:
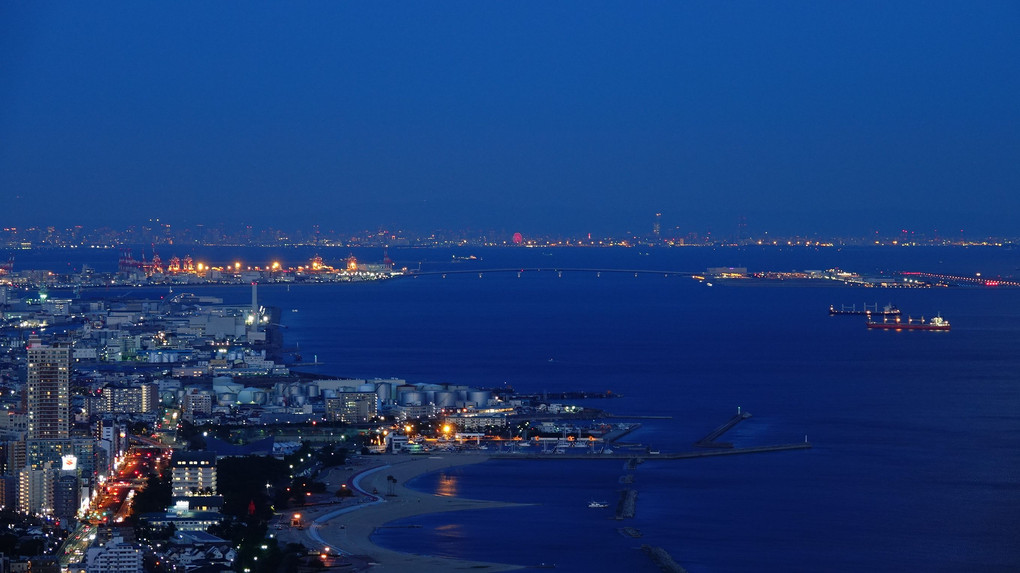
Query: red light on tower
[518, 238]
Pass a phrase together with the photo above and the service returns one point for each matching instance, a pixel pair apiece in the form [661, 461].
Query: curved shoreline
[347, 531]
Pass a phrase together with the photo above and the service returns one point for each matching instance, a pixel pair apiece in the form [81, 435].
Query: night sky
[559, 117]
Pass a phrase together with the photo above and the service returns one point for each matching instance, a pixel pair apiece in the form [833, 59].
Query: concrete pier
[614, 435]
[709, 441]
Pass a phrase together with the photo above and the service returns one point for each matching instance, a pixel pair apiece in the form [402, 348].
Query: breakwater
[662, 456]
[662, 559]
[709, 441]
[627, 506]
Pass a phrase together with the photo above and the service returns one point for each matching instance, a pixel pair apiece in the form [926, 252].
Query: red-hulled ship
[937, 323]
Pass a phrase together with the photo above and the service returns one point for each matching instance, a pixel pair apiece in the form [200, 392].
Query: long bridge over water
[559, 270]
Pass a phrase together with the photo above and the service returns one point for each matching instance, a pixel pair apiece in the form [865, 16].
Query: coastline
[347, 528]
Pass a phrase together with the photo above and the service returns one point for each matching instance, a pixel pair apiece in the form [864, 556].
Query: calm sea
[916, 458]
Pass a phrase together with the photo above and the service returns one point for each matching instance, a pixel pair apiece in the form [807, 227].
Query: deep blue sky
[531, 116]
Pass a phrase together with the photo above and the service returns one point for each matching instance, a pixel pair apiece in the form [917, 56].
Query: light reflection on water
[448, 485]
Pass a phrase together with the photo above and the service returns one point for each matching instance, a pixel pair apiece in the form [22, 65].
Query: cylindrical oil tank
[446, 399]
[313, 390]
[479, 397]
[366, 388]
[329, 393]
[294, 390]
[430, 396]
[258, 397]
[298, 401]
[462, 394]
[226, 399]
[383, 390]
[221, 387]
[412, 398]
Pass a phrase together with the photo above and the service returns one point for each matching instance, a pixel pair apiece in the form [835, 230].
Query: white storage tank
[383, 390]
[446, 399]
[313, 390]
[479, 397]
[412, 398]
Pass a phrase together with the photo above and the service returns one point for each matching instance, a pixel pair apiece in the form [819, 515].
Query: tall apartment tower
[48, 388]
[194, 473]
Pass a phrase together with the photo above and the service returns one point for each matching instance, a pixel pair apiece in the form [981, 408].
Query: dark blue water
[916, 458]
[916, 434]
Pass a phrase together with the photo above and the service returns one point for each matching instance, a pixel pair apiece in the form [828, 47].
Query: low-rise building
[114, 556]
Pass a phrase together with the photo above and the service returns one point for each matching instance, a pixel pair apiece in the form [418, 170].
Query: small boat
[597, 504]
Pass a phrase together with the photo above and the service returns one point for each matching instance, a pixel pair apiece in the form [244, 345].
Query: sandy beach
[346, 527]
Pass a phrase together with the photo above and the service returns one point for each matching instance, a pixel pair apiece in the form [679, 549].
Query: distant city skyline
[568, 118]
[158, 235]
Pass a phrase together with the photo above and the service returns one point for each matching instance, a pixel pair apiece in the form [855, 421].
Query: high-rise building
[65, 494]
[194, 473]
[35, 490]
[131, 399]
[48, 390]
[352, 407]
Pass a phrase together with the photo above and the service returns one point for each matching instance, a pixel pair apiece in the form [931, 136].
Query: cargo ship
[872, 310]
[937, 323]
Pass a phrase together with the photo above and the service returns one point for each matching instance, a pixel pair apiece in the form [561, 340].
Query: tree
[247, 478]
